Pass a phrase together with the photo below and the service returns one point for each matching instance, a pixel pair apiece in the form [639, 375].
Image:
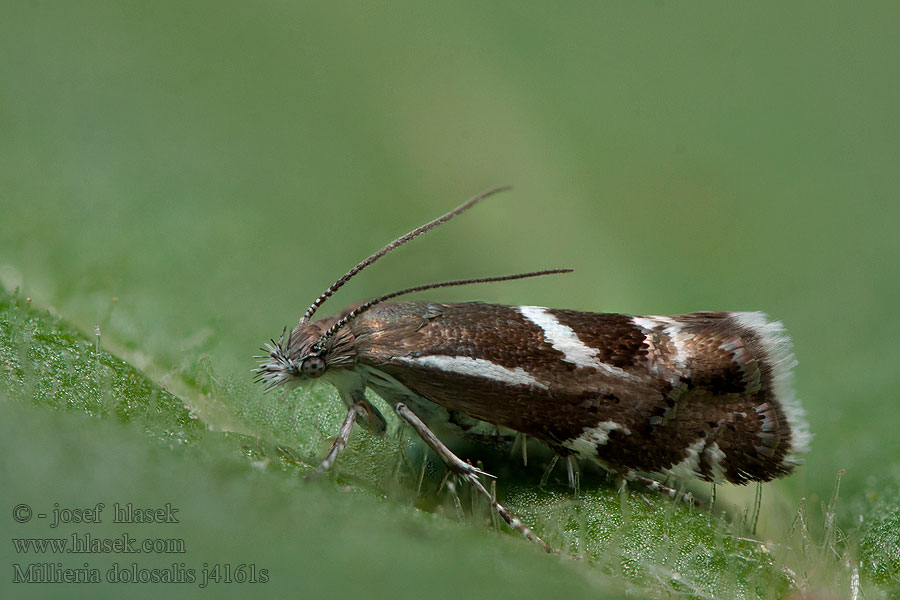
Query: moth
[705, 394]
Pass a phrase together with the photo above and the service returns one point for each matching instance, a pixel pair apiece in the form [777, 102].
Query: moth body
[704, 394]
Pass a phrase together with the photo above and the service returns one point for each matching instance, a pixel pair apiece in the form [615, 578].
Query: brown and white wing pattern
[702, 394]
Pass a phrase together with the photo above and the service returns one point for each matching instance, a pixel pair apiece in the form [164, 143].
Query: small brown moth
[704, 394]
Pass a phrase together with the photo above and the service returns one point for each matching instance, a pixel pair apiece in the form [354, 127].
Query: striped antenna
[319, 345]
[396, 243]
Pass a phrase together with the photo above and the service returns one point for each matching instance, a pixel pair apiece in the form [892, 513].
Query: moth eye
[312, 366]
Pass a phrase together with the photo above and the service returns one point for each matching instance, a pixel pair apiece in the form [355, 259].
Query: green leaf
[103, 432]
[879, 536]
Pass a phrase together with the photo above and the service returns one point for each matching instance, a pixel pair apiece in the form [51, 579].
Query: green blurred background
[190, 176]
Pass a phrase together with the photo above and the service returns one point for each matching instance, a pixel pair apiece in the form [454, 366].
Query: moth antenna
[428, 286]
[398, 242]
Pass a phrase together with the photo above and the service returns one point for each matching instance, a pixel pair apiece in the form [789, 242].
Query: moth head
[316, 349]
[304, 354]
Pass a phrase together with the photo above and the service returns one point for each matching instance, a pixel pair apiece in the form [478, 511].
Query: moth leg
[453, 462]
[573, 472]
[466, 471]
[550, 466]
[658, 487]
[339, 442]
[520, 442]
[369, 417]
